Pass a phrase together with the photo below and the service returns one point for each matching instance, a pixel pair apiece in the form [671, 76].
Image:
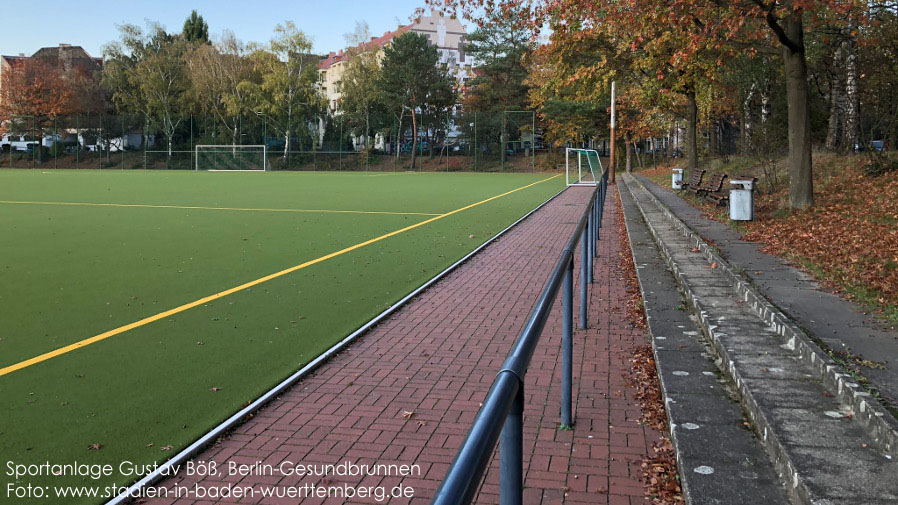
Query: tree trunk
[629, 162]
[850, 134]
[714, 139]
[837, 103]
[691, 132]
[765, 101]
[745, 131]
[637, 148]
[398, 140]
[801, 182]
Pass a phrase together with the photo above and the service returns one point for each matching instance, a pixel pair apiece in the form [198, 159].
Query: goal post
[231, 158]
[581, 167]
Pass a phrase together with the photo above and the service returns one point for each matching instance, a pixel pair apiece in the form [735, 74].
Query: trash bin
[677, 179]
[742, 205]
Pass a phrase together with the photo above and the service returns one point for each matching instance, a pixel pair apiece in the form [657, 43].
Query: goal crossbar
[233, 148]
[577, 176]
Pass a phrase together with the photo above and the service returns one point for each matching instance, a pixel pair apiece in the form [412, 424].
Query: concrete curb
[878, 423]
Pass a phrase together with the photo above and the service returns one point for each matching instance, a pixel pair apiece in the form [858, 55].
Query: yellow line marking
[192, 207]
[162, 315]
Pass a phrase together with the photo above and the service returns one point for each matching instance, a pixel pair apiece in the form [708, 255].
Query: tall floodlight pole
[611, 166]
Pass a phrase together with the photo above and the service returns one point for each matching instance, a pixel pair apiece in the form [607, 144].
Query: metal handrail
[501, 413]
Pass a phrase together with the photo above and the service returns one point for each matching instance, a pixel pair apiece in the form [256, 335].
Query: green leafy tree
[287, 94]
[196, 29]
[411, 80]
[361, 101]
[217, 73]
[147, 74]
[499, 49]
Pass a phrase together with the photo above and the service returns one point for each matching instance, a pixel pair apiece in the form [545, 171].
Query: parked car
[874, 145]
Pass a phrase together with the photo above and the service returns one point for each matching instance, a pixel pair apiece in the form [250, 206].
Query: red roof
[374, 42]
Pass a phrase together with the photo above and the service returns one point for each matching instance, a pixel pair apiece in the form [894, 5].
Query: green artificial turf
[71, 272]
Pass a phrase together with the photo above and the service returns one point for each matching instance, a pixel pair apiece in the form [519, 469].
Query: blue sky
[92, 24]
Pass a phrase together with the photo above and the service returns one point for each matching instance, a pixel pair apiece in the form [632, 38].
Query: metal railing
[503, 408]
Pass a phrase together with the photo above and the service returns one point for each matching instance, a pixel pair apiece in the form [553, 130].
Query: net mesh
[231, 158]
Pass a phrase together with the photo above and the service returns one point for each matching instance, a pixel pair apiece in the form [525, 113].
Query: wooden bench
[713, 189]
[694, 182]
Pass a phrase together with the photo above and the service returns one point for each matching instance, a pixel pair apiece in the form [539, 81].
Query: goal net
[582, 167]
[232, 158]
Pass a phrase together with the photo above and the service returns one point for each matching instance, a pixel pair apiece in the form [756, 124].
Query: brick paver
[437, 357]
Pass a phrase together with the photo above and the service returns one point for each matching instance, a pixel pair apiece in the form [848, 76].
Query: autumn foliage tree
[684, 32]
[35, 88]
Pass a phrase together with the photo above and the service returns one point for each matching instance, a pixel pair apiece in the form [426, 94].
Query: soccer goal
[232, 158]
[581, 167]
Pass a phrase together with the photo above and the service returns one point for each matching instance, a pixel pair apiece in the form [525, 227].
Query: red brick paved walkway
[437, 358]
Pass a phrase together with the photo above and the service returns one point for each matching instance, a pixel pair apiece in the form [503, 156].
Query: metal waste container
[677, 178]
[742, 204]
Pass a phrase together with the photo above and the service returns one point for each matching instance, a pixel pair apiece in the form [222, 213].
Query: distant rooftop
[339, 56]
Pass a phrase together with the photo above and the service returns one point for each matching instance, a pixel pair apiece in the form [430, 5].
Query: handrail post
[511, 453]
[585, 278]
[595, 232]
[601, 209]
[567, 342]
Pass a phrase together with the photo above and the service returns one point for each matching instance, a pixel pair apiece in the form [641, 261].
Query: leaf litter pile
[659, 472]
[635, 309]
[849, 239]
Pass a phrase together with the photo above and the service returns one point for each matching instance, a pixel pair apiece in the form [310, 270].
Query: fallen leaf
[167, 448]
[407, 414]
[714, 265]
[94, 447]
[215, 389]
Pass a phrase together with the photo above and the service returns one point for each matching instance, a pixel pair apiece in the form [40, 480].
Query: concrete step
[827, 439]
[721, 462]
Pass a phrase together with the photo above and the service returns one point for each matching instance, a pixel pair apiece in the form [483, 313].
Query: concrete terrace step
[827, 439]
[720, 461]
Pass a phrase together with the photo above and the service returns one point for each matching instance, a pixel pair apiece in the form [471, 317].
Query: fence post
[476, 147]
[100, 133]
[567, 342]
[340, 143]
[511, 449]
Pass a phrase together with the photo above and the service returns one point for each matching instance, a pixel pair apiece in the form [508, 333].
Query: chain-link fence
[476, 141]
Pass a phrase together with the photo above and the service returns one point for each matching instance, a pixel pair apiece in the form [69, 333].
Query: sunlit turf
[70, 272]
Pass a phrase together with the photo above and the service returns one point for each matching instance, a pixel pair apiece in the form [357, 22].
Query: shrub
[880, 165]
